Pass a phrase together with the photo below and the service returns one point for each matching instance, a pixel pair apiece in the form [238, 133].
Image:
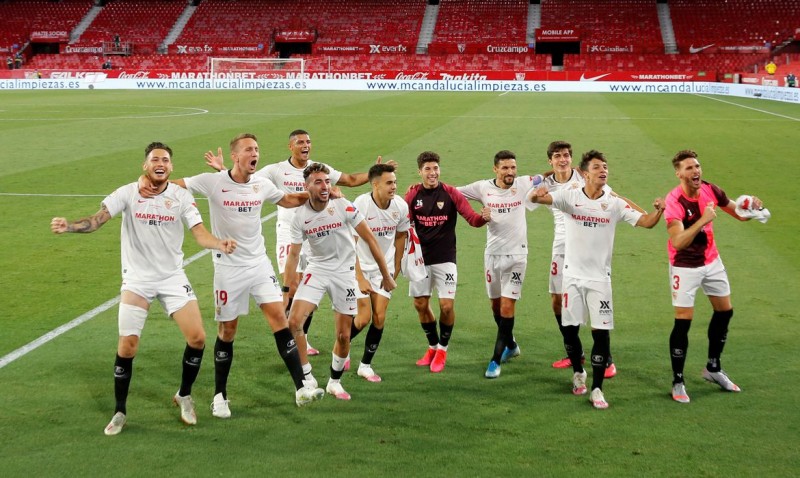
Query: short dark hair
[297, 132]
[589, 156]
[556, 146]
[427, 157]
[681, 155]
[315, 168]
[242, 136]
[377, 170]
[157, 145]
[503, 154]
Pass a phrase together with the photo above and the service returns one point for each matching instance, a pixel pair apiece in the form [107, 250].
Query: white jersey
[575, 181]
[235, 210]
[289, 179]
[590, 226]
[152, 230]
[507, 232]
[384, 224]
[331, 245]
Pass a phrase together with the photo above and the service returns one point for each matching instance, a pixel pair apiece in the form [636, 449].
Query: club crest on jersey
[395, 215]
[604, 206]
[330, 211]
[168, 203]
[256, 188]
[574, 186]
[440, 204]
[513, 191]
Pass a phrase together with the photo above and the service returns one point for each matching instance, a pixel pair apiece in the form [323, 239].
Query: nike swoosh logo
[142, 200]
[371, 218]
[310, 220]
[594, 78]
[287, 174]
[579, 205]
[226, 190]
[692, 49]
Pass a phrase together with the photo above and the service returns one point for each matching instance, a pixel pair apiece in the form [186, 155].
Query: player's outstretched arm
[357, 179]
[216, 161]
[209, 241]
[388, 284]
[540, 196]
[650, 220]
[730, 208]
[60, 225]
[293, 199]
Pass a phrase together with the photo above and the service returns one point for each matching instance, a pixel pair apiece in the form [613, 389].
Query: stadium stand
[481, 21]
[22, 17]
[626, 33]
[621, 23]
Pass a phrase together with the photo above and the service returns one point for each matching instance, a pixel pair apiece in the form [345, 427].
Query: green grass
[55, 400]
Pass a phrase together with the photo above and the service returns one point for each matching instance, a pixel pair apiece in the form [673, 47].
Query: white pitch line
[62, 329]
[750, 108]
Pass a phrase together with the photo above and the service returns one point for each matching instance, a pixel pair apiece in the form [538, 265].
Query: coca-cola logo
[420, 75]
[138, 74]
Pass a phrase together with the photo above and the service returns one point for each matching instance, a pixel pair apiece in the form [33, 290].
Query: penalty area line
[750, 108]
[64, 328]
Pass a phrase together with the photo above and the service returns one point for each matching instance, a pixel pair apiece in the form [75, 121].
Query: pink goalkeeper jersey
[703, 249]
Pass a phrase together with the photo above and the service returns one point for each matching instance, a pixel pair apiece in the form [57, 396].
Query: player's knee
[128, 346]
[378, 319]
[421, 303]
[227, 330]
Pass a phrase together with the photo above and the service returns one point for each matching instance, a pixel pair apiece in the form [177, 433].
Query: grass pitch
[62, 152]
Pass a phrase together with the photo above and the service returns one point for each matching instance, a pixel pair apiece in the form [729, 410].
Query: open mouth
[253, 163]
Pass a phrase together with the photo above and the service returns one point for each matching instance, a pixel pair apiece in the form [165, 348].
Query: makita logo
[465, 76]
[388, 48]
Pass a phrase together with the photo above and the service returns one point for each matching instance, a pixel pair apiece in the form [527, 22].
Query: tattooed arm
[60, 225]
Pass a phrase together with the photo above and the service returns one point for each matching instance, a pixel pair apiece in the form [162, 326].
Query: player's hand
[364, 286]
[215, 161]
[757, 204]
[388, 284]
[227, 246]
[710, 213]
[58, 225]
[659, 204]
[335, 192]
[391, 162]
[486, 213]
[146, 188]
[409, 188]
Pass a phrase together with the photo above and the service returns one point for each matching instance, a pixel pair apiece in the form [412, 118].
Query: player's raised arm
[650, 220]
[60, 225]
[216, 161]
